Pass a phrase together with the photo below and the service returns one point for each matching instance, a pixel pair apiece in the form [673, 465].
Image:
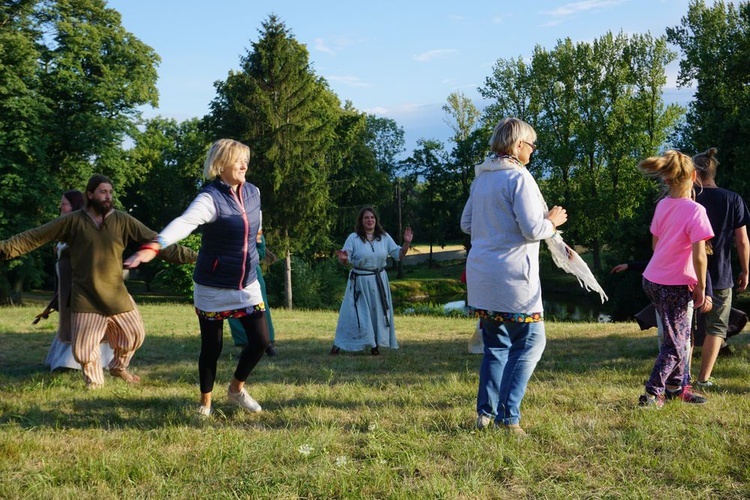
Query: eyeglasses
[531, 145]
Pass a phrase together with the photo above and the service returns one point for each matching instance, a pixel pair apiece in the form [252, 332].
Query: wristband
[148, 247]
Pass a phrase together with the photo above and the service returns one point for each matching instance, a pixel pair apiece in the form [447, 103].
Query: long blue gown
[366, 314]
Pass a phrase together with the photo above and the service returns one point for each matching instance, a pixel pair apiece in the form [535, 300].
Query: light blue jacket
[505, 216]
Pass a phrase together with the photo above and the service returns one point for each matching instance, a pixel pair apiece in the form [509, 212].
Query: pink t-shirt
[678, 223]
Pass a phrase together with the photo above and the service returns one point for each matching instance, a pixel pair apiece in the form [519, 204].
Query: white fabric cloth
[60, 355]
[208, 298]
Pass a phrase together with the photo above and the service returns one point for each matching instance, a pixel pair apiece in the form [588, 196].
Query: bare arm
[743, 250]
[699, 263]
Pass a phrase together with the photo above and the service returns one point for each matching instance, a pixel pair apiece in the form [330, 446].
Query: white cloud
[434, 54]
[571, 9]
[348, 80]
[320, 45]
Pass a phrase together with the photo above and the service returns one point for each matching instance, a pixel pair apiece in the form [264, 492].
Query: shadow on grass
[170, 364]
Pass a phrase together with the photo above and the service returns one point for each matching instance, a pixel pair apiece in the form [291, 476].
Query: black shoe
[375, 351]
[334, 350]
[726, 351]
[271, 351]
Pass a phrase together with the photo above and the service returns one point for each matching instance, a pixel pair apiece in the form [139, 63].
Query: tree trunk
[288, 280]
[597, 255]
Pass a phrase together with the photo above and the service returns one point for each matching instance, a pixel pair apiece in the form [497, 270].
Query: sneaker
[483, 421]
[705, 384]
[204, 411]
[271, 351]
[243, 400]
[650, 401]
[687, 395]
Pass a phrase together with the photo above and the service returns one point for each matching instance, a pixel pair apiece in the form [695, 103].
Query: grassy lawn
[355, 426]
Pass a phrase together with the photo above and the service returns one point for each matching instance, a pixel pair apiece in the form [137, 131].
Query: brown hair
[94, 182]
[706, 163]
[75, 198]
[359, 227]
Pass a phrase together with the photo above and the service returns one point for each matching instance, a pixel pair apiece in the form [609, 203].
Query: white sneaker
[483, 421]
[243, 400]
[204, 411]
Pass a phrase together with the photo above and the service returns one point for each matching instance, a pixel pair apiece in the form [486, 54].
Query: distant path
[421, 253]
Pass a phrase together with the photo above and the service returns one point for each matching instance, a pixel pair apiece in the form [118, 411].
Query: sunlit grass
[399, 425]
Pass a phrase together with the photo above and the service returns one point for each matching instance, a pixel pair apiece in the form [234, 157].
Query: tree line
[73, 81]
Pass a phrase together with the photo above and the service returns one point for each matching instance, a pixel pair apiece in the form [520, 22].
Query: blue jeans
[511, 352]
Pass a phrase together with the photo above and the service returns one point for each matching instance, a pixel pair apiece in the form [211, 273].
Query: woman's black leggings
[212, 342]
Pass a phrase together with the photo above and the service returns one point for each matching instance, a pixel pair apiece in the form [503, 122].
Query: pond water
[558, 306]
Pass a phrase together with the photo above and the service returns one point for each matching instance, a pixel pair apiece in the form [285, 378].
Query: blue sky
[398, 59]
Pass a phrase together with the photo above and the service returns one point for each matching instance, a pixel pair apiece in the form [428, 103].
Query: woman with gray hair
[506, 217]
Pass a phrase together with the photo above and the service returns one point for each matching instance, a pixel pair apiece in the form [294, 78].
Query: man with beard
[100, 304]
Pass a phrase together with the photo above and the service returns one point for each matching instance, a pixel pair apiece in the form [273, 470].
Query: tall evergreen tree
[279, 107]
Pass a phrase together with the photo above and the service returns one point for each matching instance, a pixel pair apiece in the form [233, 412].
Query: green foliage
[598, 109]
[167, 162]
[178, 279]
[362, 178]
[318, 284]
[287, 115]
[71, 82]
[715, 45]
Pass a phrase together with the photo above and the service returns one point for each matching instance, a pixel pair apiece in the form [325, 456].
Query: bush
[315, 285]
[178, 279]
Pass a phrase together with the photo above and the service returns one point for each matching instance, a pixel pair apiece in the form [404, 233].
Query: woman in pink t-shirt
[676, 273]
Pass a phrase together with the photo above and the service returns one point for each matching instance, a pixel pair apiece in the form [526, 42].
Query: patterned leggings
[671, 303]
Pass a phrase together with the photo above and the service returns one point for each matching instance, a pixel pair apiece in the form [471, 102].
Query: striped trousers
[124, 332]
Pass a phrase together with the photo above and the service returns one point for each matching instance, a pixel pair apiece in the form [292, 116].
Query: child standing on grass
[676, 274]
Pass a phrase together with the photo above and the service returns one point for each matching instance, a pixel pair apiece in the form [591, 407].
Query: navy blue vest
[228, 257]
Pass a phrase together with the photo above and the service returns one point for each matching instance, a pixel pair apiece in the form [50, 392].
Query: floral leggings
[671, 302]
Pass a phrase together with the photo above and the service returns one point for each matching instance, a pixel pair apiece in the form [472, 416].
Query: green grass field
[355, 426]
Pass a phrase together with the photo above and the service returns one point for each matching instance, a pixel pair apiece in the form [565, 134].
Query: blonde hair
[674, 168]
[224, 153]
[508, 133]
[706, 163]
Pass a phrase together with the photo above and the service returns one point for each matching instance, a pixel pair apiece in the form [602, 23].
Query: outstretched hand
[138, 258]
[619, 268]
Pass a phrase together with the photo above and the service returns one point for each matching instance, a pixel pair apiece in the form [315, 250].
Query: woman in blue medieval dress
[366, 314]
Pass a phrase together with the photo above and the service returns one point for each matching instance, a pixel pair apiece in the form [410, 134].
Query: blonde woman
[225, 280]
